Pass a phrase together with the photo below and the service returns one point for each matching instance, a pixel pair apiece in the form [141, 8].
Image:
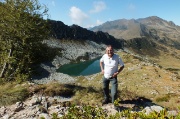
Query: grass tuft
[11, 93]
[53, 89]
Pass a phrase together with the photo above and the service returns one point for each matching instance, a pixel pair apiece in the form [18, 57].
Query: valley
[152, 68]
[151, 77]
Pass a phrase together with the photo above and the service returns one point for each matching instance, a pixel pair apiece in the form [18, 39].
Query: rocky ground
[38, 106]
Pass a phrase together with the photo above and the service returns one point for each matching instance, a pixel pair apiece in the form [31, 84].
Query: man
[109, 67]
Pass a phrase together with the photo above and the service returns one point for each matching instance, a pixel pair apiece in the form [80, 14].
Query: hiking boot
[105, 102]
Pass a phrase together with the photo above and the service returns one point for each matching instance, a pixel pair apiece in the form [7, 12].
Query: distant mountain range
[153, 28]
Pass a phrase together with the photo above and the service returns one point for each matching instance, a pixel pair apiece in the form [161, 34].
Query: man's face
[109, 51]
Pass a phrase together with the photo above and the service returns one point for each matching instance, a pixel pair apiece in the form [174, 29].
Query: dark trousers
[114, 86]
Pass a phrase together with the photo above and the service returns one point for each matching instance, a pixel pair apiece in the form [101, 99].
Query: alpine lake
[81, 68]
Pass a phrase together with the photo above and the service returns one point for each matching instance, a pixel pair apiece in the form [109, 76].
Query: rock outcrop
[75, 32]
[38, 107]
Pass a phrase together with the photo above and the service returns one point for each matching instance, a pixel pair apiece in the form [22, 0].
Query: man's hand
[102, 71]
[115, 74]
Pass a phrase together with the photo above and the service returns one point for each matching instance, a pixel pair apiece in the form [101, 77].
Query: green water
[81, 68]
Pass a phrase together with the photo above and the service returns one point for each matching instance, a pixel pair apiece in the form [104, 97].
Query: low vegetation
[10, 93]
[90, 112]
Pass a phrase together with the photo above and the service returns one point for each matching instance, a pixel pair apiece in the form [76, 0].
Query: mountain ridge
[153, 27]
[61, 31]
[144, 36]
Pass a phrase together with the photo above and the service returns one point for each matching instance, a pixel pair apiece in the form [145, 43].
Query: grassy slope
[152, 81]
[138, 79]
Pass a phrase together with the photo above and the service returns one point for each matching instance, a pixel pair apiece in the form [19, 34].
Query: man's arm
[102, 68]
[120, 69]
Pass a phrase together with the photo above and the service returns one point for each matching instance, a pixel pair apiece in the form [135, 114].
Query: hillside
[154, 28]
[162, 58]
[77, 44]
[151, 77]
[143, 86]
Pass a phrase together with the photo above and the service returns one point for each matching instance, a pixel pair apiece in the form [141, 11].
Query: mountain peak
[152, 27]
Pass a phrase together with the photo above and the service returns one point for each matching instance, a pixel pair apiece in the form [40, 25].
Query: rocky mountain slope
[154, 28]
[75, 44]
[71, 51]
[61, 31]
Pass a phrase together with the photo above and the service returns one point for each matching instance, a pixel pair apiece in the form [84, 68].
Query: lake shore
[71, 51]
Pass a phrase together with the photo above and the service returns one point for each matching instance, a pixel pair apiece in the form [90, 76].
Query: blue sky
[89, 13]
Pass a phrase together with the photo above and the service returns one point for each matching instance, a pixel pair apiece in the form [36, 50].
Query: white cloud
[82, 19]
[98, 7]
[77, 16]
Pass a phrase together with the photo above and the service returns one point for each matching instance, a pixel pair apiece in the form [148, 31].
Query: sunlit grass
[11, 93]
[54, 88]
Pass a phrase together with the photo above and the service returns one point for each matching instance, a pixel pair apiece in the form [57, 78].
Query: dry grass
[152, 81]
[11, 93]
[53, 89]
[170, 60]
[90, 92]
